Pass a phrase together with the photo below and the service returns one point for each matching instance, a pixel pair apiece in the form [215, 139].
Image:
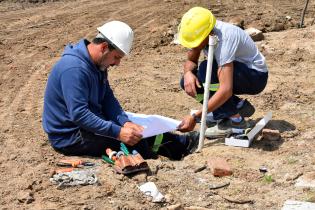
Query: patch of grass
[291, 160]
[268, 179]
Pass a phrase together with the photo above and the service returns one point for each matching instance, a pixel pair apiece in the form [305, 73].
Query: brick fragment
[272, 135]
[219, 167]
[255, 34]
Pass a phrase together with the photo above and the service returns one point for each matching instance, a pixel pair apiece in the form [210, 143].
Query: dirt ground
[33, 36]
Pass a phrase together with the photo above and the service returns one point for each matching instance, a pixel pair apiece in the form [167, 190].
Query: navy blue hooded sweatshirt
[77, 96]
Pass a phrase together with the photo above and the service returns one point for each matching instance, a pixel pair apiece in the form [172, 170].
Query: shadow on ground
[268, 145]
[261, 143]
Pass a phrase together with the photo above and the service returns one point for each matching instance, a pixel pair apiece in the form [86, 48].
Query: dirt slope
[33, 36]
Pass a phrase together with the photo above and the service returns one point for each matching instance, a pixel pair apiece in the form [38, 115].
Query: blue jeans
[245, 81]
[173, 146]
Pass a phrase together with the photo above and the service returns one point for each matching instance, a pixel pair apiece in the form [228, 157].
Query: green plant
[268, 179]
[291, 160]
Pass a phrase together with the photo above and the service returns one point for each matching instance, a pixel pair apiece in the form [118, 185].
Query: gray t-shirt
[235, 45]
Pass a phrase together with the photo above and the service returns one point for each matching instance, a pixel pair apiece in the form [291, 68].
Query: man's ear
[104, 47]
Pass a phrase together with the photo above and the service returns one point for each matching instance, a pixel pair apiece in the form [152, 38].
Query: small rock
[86, 208]
[140, 178]
[291, 177]
[237, 21]
[152, 179]
[218, 186]
[13, 157]
[272, 135]
[238, 200]
[29, 199]
[288, 18]
[255, 34]
[169, 198]
[196, 208]
[21, 109]
[278, 27]
[120, 177]
[166, 166]
[201, 168]
[307, 180]
[290, 134]
[175, 207]
[25, 197]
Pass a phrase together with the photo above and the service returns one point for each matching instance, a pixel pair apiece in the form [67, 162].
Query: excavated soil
[32, 37]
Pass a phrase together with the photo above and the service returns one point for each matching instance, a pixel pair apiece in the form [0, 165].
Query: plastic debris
[298, 205]
[263, 169]
[74, 178]
[150, 189]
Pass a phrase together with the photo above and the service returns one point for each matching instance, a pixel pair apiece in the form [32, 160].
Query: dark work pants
[173, 146]
[245, 81]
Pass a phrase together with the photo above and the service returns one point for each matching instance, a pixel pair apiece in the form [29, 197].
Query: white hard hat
[119, 34]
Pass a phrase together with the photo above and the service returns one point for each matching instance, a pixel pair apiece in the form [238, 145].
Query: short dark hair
[99, 40]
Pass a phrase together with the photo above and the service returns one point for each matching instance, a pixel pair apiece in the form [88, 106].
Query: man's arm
[75, 90]
[225, 91]
[190, 80]
[112, 108]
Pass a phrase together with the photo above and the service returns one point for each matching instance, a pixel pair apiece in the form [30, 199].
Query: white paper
[153, 124]
[150, 189]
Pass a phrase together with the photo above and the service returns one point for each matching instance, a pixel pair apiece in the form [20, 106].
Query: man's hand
[129, 136]
[190, 83]
[134, 126]
[188, 124]
[130, 133]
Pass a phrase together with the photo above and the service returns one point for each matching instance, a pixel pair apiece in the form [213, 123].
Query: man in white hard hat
[238, 68]
[81, 114]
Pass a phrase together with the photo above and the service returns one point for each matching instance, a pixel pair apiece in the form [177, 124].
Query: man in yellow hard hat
[238, 68]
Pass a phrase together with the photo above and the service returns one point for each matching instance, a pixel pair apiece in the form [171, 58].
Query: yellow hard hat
[195, 26]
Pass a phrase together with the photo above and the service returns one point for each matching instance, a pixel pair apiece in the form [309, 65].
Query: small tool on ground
[125, 163]
[76, 163]
[69, 165]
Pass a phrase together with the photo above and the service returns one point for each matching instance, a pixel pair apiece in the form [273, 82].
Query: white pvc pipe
[212, 43]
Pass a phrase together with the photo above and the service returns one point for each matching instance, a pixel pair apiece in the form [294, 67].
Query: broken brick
[219, 167]
[272, 135]
[255, 34]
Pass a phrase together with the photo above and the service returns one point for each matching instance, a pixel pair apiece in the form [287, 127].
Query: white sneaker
[225, 128]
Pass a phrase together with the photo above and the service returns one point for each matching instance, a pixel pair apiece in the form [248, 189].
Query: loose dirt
[32, 38]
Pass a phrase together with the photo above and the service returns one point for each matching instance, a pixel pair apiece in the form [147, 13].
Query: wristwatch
[196, 119]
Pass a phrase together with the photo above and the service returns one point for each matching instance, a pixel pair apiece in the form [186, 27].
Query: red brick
[272, 135]
[219, 167]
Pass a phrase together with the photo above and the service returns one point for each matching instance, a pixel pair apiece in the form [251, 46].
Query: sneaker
[193, 141]
[245, 108]
[210, 121]
[225, 128]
